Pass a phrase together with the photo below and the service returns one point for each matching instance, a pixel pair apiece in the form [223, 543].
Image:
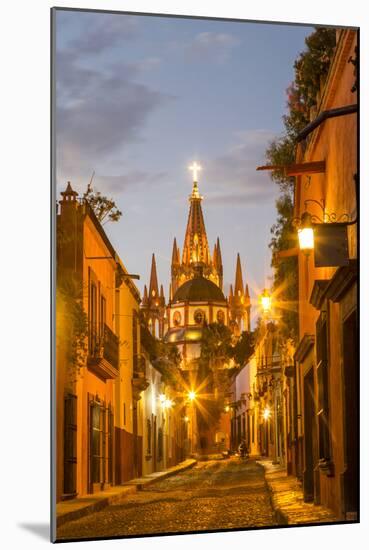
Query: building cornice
[341, 281]
[318, 293]
[304, 346]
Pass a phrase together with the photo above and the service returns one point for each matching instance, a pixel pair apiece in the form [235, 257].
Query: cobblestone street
[212, 495]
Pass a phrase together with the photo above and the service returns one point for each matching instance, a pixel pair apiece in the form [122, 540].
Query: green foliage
[281, 151]
[243, 348]
[216, 347]
[214, 374]
[105, 209]
[311, 68]
[69, 299]
[164, 356]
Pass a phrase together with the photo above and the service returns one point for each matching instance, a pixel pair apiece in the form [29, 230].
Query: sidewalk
[69, 510]
[287, 498]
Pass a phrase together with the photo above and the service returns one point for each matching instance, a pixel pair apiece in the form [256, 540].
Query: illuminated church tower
[239, 302]
[196, 289]
[153, 304]
[196, 252]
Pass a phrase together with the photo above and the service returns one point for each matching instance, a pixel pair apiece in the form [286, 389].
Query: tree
[105, 209]
[214, 372]
[311, 69]
[73, 323]
[243, 348]
[164, 356]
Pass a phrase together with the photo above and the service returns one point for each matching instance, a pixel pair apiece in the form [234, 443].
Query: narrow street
[212, 495]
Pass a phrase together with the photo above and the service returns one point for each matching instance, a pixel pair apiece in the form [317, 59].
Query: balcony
[139, 381]
[103, 346]
[269, 365]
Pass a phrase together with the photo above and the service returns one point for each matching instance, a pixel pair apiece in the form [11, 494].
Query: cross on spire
[195, 168]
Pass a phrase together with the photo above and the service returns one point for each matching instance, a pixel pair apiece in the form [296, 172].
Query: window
[177, 318]
[199, 316]
[95, 442]
[322, 376]
[101, 426]
[134, 339]
[220, 317]
[92, 317]
[102, 315]
[70, 444]
[160, 444]
[110, 437]
[148, 437]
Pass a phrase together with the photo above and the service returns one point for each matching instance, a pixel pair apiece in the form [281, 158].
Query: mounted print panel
[206, 342]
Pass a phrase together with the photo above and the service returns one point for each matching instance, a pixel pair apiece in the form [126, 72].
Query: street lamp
[266, 413]
[191, 395]
[306, 234]
[266, 301]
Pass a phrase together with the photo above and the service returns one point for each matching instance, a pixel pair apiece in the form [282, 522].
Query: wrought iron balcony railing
[139, 366]
[269, 362]
[103, 343]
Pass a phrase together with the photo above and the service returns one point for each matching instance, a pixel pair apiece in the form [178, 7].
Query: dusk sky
[139, 98]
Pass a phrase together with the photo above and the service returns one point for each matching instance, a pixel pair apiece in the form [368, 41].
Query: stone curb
[280, 517]
[128, 488]
[295, 509]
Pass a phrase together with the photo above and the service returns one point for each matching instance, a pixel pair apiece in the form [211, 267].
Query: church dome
[199, 289]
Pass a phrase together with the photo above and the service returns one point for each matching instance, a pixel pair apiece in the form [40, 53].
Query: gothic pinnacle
[238, 286]
[154, 288]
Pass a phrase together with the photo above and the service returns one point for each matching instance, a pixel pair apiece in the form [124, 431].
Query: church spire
[238, 286]
[144, 299]
[153, 288]
[215, 256]
[175, 253]
[195, 248]
[219, 254]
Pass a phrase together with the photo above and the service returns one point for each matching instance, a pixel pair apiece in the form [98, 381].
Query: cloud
[104, 32]
[98, 112]
[232, 176]
[119, 183]
[211, 45]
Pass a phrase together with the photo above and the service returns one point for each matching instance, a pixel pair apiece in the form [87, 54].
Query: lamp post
[266, 416]
[266, 301]
[306, 234]
[191, 395]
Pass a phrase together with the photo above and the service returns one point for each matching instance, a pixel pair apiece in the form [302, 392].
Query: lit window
[199, 316]
[220, 317]
[177, 318]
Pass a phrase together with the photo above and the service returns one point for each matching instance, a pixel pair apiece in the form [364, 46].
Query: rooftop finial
[195, 168]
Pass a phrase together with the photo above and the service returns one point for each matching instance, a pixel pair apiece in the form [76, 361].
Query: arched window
[177, 318]
[220, 317]
[199, 316]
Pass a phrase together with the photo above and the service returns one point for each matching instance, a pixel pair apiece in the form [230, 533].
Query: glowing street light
[191, 395]
[306, 234]
[226, 408]
[266, 413]
[162, 398]
[266, 301]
